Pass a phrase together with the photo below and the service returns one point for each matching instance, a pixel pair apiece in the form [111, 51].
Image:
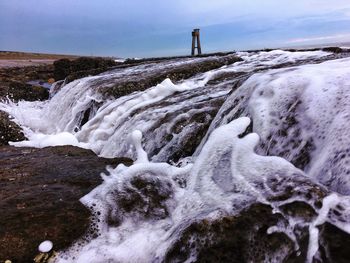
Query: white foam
[112, 121]
[225, 159]
[275, 57]
[39, 140]
[141, 154]
[318, 97]
[328, 202]
[137, 240]
[120, 60]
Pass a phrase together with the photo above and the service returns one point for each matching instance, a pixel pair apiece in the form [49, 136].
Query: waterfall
[172, 116]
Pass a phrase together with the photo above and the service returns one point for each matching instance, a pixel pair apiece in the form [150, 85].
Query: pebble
[45, 246]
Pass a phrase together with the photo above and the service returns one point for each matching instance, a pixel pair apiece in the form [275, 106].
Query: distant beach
[9, 59]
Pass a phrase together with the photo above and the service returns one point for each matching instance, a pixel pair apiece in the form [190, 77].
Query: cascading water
[299, 113]
[157, 212]
[166, 113]
[145, 230]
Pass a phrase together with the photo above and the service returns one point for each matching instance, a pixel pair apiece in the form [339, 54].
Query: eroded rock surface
[39, 198]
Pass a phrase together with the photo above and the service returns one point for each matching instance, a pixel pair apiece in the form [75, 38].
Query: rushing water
[206, 148]
[159, 112]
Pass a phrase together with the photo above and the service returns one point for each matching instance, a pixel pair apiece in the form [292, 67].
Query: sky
[148, 28]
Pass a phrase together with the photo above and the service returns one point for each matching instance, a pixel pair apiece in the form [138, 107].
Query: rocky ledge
[39, 198]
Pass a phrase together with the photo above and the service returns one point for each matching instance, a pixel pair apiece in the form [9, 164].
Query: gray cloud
[158, 27]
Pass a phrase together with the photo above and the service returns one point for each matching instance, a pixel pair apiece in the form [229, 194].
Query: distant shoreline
[10, 59]
[15, 55]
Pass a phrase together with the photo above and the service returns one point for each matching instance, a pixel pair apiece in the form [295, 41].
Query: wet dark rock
[178, 132]
[185, 133]
[86, 63]
[14, 83]
[241, 238]
[175, 73]
[81, 67]
[21, 91]
[39, 198]
[85, 73]
[245, 236]
[334, 49]
[337, 243]
[144, 196]
[62, 68]
[9, 131]
[25, 74]
[159, 59]
[226, 76]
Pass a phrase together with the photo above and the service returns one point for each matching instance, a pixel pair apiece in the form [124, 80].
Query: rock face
[9, 131]
[39, 198]
[65, 67]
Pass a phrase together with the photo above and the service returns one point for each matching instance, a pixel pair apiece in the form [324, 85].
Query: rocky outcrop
[175, 73]
[39, 198]
[81, 67]
[240, 238]
[25, 74]
[9, 131]
[260, 232]
[21, 91]
[14, 83]
[62, 68]
[335, 49]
